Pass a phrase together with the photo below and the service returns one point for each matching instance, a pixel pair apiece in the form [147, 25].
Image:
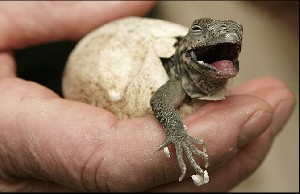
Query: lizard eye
[196, 28]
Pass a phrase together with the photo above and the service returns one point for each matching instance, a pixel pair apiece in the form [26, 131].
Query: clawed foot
[184, 142]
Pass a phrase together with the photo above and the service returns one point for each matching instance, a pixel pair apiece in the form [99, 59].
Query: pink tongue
[225, 67]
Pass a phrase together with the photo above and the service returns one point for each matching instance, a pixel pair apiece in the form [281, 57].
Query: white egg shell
[117, 66]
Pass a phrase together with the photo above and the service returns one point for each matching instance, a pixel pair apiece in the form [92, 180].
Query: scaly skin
[209, 41]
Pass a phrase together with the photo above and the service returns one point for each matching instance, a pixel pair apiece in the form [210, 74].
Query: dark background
[44, 63]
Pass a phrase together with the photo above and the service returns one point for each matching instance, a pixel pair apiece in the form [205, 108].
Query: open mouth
[221, 58]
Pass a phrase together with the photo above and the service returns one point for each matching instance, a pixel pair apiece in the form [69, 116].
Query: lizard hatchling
[203, 62]
[120, 65]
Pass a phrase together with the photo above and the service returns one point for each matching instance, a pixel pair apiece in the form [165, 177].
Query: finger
[7, 65]
[27, 23]
[231, 125]
[87, 148]
[250, 156]
[283, 103]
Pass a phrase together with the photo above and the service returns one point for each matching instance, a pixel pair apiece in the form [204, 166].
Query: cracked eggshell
[117, 66]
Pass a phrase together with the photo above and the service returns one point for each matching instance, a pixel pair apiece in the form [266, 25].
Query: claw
[183, 171]
[206, 164]
[163, 145]
[199, 153]
[197, 140]
[181, 163]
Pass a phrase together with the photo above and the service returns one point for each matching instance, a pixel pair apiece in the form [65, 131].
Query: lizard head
[213, 46]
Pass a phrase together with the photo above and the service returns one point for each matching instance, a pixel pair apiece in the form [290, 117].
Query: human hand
[52, 144]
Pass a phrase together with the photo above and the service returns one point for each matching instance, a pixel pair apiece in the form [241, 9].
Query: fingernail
[282, 113]
[255, 125]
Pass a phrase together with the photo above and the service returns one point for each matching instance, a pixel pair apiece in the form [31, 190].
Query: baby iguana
[205, 59]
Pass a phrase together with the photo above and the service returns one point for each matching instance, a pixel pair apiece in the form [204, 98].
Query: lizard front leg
[163, 103]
